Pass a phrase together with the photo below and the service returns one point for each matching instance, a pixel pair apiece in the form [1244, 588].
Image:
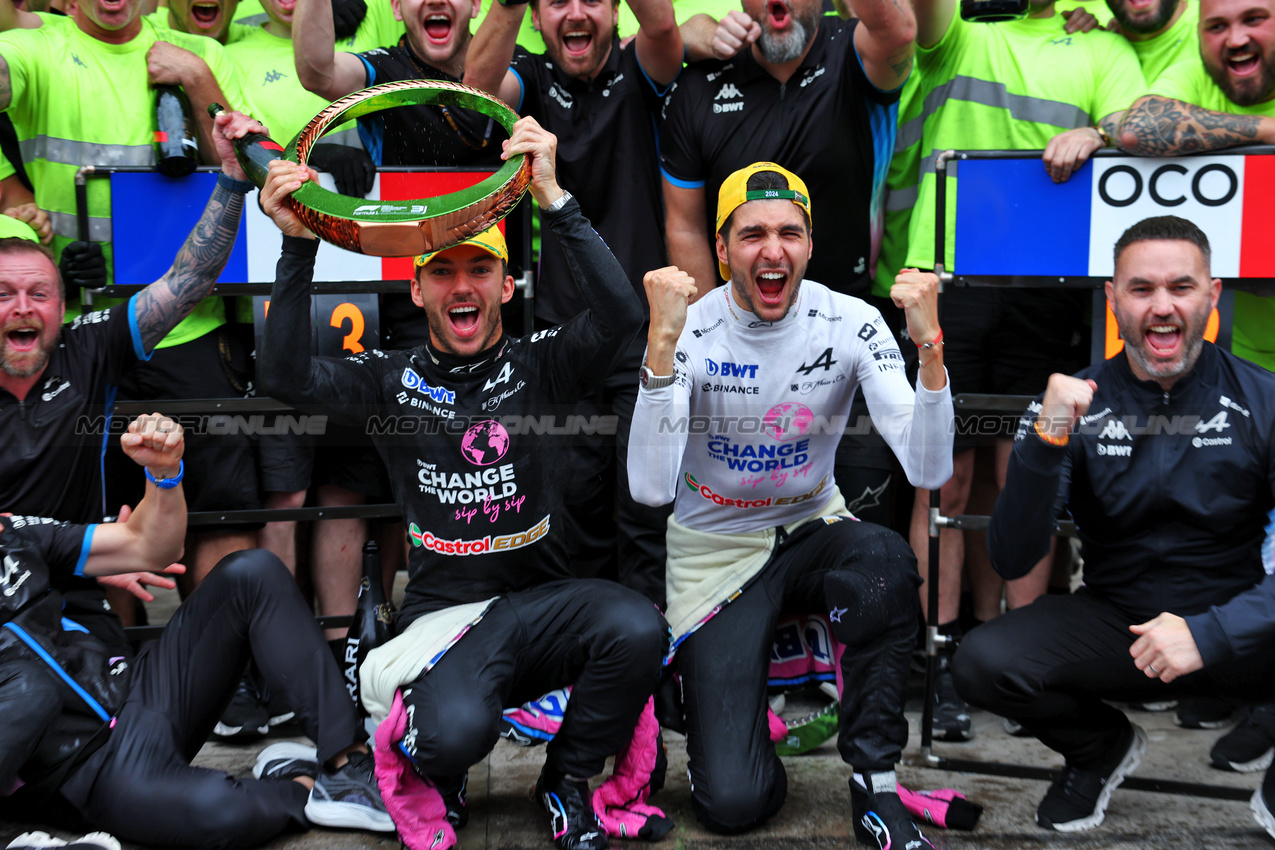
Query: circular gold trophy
[394, 228]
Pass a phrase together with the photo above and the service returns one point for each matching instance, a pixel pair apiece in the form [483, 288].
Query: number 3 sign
[343, 324]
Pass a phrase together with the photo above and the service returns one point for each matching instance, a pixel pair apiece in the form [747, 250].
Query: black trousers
[862, 575]
[1049, 665]
[141, 786]
[609, 533]
[606, 640]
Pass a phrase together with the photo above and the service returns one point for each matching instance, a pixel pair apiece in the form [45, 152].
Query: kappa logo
[1115, 430]
[78, 61]
[1217, 423]
[273, 77]
[728, 90]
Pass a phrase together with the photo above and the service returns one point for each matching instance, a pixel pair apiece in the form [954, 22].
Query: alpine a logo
[1217, 423]
[480, 545]
[1115, 430]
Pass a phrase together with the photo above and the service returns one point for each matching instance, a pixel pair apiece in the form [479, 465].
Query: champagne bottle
[254, 152]
[176, 144]
[373, 619]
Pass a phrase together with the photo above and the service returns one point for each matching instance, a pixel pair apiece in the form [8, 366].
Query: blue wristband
[230, 184]
[167, 483]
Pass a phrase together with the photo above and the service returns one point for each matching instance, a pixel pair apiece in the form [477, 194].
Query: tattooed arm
[170, 299]
[1162, 126]
[884, 40]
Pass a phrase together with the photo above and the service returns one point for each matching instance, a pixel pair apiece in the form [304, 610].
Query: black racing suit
[1170, 492]
[116, 736]
[477, 450]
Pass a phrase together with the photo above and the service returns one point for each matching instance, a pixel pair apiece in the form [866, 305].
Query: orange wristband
[1050, 438]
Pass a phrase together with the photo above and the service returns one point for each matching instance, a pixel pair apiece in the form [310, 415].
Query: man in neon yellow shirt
[1225, 99]
[1162, 34]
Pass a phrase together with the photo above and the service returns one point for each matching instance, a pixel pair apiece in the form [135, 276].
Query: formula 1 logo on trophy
[394, 228]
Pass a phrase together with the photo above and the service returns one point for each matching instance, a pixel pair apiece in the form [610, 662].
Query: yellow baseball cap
[735, 192]
[490, 240]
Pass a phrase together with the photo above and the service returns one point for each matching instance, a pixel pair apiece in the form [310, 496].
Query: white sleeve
[917, 425]
[657, 437]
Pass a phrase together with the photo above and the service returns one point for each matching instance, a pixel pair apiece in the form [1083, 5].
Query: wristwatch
[560, 203]
[652, 381]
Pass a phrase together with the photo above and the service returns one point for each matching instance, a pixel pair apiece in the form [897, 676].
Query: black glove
[351, 167]
[82, 265]
[346, 17]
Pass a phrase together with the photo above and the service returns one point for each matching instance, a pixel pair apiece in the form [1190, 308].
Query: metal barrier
[1101, 200]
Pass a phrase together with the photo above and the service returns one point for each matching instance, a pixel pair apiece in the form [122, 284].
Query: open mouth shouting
[771, 286]
[23, 352]
[1243, 61]
[438, 28]
[577, 41]
[778, 16]
[463, 319]
[205, 16]
[1164, 340]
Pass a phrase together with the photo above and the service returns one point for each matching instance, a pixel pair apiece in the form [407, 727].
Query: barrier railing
[1015, 227]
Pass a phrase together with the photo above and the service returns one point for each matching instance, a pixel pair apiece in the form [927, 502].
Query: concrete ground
[817, 813]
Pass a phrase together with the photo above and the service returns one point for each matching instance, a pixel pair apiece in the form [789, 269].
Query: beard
[1192, 345]
[779, 49]
[1143, 26]
[28, 364]
[1251, 90]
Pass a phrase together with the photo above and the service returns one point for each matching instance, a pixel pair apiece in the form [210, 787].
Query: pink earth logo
[485, 442]
[787, 421]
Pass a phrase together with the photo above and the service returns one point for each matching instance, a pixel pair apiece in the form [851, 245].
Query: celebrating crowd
[683, 156]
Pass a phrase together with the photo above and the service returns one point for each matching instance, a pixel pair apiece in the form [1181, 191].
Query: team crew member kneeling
[492, 616]
[1165, 457]
[107, 734]
[769, 365]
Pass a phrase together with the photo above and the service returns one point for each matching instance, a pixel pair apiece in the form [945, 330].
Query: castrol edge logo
[480, 545]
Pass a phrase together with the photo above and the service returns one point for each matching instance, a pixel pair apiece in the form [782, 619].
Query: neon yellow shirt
[1012, 86]
[1179, 43]
[1253, 332]
[78, 101]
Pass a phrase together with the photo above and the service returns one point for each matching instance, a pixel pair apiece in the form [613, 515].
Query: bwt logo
[440, 395]
[728, 369]
[1169, 184]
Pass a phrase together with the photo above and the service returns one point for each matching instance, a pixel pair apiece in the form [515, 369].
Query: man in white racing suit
[745, 395]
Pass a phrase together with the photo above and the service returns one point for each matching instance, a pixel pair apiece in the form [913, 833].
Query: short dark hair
[1164, 227]
[759, 181]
